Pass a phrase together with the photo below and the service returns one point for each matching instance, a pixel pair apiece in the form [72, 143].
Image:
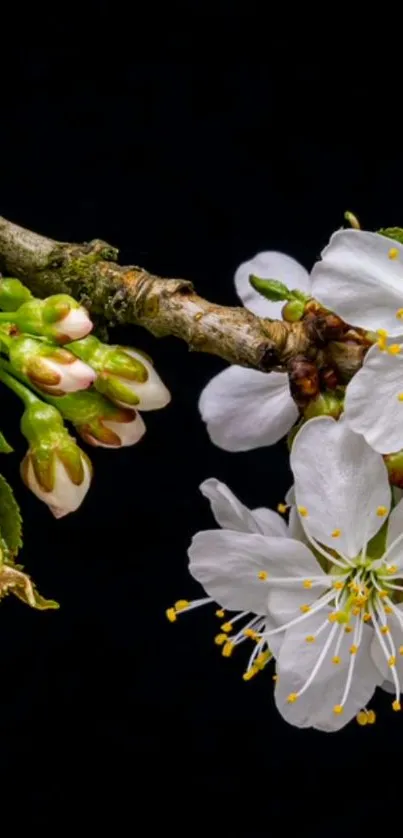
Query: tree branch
[131, 295]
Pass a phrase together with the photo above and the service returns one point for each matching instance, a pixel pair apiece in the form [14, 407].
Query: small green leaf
[10, 517]
[5, 448]
[272, 289]
[395, 233]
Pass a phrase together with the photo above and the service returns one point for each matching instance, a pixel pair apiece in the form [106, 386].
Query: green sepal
[271, 289]
[13, 294]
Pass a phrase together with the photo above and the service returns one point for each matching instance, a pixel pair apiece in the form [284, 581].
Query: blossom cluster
[317, 587]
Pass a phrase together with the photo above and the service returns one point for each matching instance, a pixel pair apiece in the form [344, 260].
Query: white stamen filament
[384, 650]
[319, 661]
[324, 553]
[351, 664]
[312, 610]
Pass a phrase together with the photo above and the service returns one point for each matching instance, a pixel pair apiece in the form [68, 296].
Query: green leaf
[272, 289]
[10, 517]
[395, 233]
[5, 448]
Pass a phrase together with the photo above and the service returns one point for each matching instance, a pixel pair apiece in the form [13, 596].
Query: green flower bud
[51, 369]
[99, 422]
[394, 465]
[325, 404]
[59, 318]
[13, 294]
[54, 468]
[124, 375]
[293, 311]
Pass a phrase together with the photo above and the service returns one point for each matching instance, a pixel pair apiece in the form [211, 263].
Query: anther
[388, 609]
[353, 649]
[310, 638]
[171, 614]
[385, 629]
[394, 349]
[304, 608]
[181, 604]
[400, 397]
[391, 569]
[393, 253]
[392, 661]
[250, 673]
[292, 698]
[282, 508]
[220, 639]
[307, 583]
[348, 629]
[336, 659]
[303, 511]
[362, 718]
[396, 705]
[250, 633]
[338, 586]
[381, 511]
[262, 575]
[399, 314]
[336, 533]
[367, 617]
[220, 613]
[371, 717]
[227, 627]
[227, 649]
[338, 709]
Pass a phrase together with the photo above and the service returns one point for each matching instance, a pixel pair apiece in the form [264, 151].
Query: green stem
[5, 339]
[8, 316]
[16, 386]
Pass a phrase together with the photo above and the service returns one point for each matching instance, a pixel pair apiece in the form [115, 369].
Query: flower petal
[231, 514]
[295, 528]
[358, 280]
[269, 265]
[395, 524]
[152, 393]
[246, 409]
[295, 663]
[380, 659]
[227, 564]
[339, 484]
[372, 406]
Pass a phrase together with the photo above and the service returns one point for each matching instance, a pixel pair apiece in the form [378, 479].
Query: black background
[190, 147]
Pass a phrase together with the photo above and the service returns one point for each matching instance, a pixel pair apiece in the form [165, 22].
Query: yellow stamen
[250, 673]
[304, 608]
[391, 569]
[336, 533]
[394, 349]
[303, 511]
[385, 629]
[307, 583]
[388, 609]
[338, 709]
[332, 617]
[292, 697]
[171, 614]
[220, 639]
[400, 650]
[353, 649]
[263, 659]
[381, 511]
[393, 253]
[392, 661]
[362, 718]
[382, 594]
[382, 339]
[348, 629]
[227, 627]
[396, 705]
[355, 611]
[366, 618]
[371, 717]
[181, 604]
[227, 649]
[310, 638]
[220, 613]
[400, 397]
[250, 633]
[262, 575]
[336, 659]
[338, 586]
[282, 508]
[399, 314]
